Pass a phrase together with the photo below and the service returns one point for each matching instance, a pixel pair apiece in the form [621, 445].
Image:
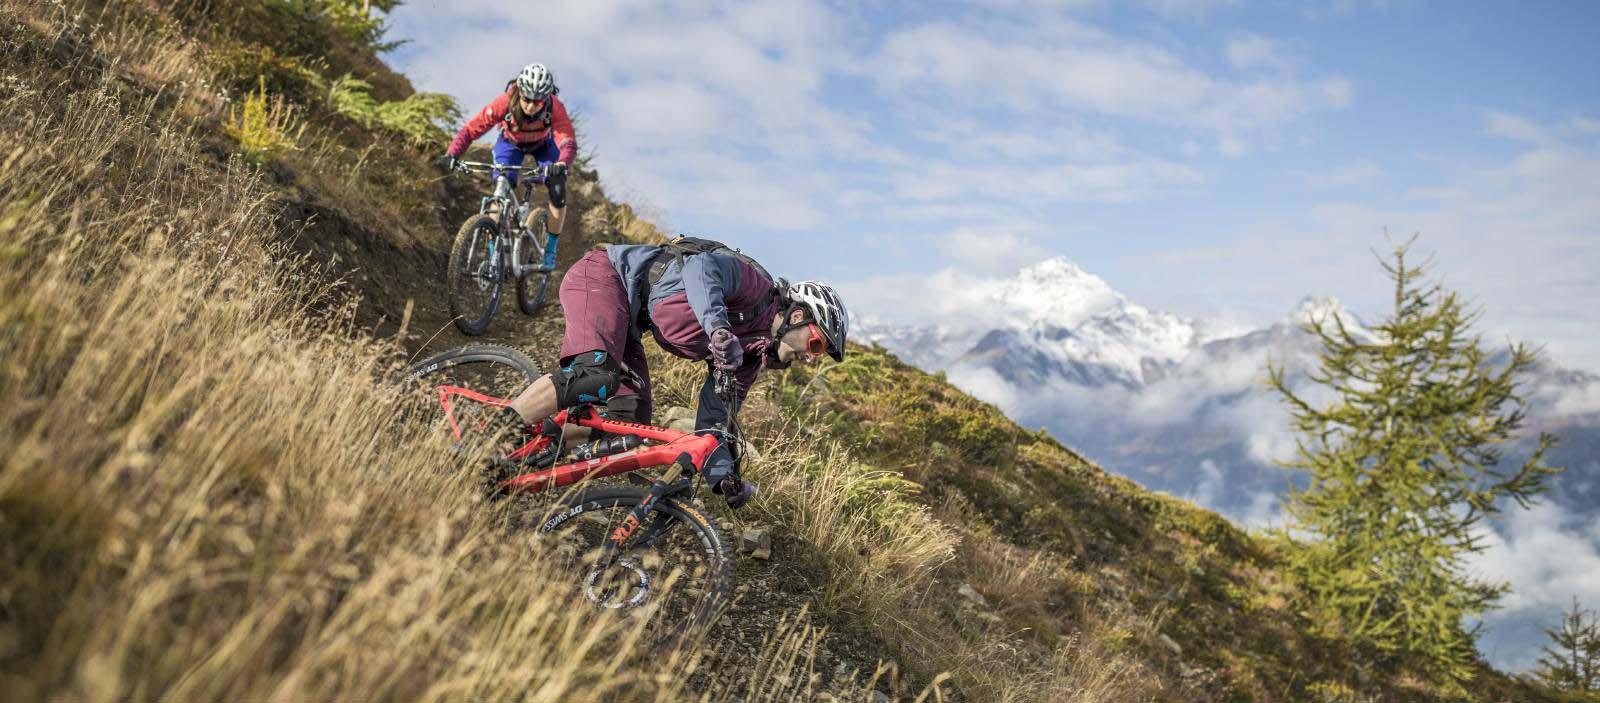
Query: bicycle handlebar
[540, 171]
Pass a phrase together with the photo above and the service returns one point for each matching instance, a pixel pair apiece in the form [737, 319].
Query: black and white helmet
[536, 82]
[827, 310]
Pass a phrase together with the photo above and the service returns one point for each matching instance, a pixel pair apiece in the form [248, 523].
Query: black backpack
[684, 246]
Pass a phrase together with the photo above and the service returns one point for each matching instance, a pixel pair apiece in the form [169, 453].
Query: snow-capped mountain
[1163, 399]
[1181, 406]
[1053, 320]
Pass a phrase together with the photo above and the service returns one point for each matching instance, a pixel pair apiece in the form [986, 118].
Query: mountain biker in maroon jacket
[533, 122]
[715, 305]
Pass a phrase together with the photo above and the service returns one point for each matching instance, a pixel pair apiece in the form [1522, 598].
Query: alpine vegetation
[1404, 468]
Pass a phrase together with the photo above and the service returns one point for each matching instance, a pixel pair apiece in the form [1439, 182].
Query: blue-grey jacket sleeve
[708, 279]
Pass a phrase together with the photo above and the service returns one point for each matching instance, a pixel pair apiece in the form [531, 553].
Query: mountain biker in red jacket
[532, 121]
[715, 305]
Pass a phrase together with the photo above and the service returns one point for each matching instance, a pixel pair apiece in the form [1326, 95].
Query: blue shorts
[507, 152]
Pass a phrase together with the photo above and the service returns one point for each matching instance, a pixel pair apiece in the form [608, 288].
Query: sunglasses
[816, 344]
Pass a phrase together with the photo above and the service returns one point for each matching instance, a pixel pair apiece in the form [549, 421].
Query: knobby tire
[532, 286]
[472, 313]
[705, 587]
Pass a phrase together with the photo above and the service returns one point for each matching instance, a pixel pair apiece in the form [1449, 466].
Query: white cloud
[1188, 8]
[1256, 51]
[1337, 92]
[990, 250]
[1350, 173]
[1548, 556]
[1520, 237]
[986, 385]
[1509, 126]
[1051, 66]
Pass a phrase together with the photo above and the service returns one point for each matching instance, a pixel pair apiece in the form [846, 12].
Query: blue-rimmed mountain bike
[494, 246]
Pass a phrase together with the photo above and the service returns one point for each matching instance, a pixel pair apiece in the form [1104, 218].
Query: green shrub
[242, 67]
[422, 119]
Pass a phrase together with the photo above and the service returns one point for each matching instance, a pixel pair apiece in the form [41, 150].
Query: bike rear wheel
[492, 369]
[533, 285]
[675, 586]
[474, 274]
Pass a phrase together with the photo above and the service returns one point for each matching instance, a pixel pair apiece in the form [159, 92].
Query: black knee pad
[557, 187]
[626, 408]
[590, 377]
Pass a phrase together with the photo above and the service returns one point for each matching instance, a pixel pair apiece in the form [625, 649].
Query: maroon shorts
[595, 305]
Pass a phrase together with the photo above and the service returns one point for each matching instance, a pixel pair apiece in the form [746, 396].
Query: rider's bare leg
[558, 217]
[538, 401]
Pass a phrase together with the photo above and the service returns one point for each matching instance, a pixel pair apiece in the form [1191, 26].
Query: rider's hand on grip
[727, 352]
[736, 491]
[450, 162]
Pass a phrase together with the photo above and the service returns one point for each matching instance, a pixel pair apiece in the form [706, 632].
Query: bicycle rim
[673, 587]
[473, 273]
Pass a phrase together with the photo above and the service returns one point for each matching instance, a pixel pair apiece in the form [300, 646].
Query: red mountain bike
[649, 549]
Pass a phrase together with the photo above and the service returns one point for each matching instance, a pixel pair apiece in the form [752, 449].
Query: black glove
[723, 475]
[557, 170]
[736, 491]
[449, 162]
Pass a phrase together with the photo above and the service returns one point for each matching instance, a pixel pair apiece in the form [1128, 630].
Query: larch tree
[1571, 661]
[1405, 464]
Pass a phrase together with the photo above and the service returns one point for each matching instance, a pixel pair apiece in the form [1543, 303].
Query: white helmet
[536, 82]
[826, 310]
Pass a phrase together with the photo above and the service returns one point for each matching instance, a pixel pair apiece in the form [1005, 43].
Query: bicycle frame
[688, 451]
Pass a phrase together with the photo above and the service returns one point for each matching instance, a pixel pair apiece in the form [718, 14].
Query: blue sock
[550, 249]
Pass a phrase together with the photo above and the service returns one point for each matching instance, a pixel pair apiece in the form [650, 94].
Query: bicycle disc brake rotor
[622, 584]
[485, 274]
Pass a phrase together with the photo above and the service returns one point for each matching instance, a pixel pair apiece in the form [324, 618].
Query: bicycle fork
[668, 484]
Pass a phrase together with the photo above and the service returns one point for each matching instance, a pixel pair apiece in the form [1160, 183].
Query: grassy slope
[186, 513]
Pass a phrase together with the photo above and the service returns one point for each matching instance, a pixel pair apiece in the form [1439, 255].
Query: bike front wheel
[533, 284]
[474, 274]
[674, 574]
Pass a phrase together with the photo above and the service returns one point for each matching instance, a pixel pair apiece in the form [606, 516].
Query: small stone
[756, 539]
[843, 672]
[678, 412]
[761, 554]
[881, 697]
[972, 595]
[681, 425]
[1171, 645]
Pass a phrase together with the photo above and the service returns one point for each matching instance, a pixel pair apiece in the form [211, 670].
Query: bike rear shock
[605, 446]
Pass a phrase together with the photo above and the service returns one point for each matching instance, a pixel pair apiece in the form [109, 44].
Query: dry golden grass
[210, 493]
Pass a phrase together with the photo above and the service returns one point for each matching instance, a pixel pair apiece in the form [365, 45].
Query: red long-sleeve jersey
[552, 121]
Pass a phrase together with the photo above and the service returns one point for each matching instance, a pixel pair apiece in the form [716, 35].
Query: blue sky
[1213, 158]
